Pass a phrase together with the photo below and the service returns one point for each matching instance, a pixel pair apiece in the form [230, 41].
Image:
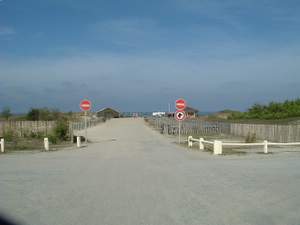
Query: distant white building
[159, 114]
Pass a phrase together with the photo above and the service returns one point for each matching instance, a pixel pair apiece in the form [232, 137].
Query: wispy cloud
[128, 32]
[5, 30]
[212, 52]
[112, 79]
[237, 13]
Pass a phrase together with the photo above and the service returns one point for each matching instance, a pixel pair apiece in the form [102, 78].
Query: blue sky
[139, 55]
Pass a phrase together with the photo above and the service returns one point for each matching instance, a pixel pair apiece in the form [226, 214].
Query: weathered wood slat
[21, 128]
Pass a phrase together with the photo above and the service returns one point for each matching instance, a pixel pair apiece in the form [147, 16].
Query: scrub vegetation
[271, 111]
[34, 139]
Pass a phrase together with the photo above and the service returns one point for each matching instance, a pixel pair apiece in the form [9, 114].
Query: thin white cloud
[129, 32]
[234, 12]
[5, 30]
[115, 79]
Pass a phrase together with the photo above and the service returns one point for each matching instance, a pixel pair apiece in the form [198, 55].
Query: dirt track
[131, 175]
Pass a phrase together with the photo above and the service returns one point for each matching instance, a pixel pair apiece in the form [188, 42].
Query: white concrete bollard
[2, 145]
[78, 142]
[201, 145]
[266, 147]
[217, 147]
[190, 142]
[46, 144]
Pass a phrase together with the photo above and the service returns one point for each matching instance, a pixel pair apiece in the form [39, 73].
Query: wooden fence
[270, 132]
[188, 127]
[80, 125]
[76, 127]
[25, 128]
[22, 128]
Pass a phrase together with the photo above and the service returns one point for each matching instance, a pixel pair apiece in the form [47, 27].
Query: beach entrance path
[132, 175]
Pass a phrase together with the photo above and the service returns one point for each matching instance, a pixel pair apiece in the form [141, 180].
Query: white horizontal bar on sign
[284, 144]
[243, 144]
[208, 142]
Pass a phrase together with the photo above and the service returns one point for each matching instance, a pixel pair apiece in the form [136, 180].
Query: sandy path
[131, 175]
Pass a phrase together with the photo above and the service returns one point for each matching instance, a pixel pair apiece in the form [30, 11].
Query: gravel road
[132, 175]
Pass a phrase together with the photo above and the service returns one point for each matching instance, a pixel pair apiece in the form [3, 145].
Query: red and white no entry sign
[85, 105]
[180, 115]
[180, 104]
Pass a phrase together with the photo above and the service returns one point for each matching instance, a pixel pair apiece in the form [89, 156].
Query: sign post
[179, 132]
[85, 106]
[180, 114]
[85, 126]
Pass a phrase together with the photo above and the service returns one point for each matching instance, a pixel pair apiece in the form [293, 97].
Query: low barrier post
[217, 147]
[266, 147]
[190, 142]
[2, 145]
[78, 142]
[201, 145]
[46, 144]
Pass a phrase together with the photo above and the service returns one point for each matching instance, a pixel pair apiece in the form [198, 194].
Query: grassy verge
[58, 138]
[31, 144]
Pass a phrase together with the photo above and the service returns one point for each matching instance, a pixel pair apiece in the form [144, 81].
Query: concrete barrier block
[2, 145]
[46, 144]
[217, 147]
[201, 145]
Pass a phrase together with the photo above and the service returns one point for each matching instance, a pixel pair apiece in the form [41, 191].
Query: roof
[190, 109]
[107, 108]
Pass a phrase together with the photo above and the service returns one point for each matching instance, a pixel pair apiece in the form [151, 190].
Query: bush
[9, 135]
[35, 135]
[271, 111]
[6, 113]
[53, 139]
[61, 130]
[36, 114]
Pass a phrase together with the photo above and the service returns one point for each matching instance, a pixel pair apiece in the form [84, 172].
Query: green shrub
[35, 135]
[9, 135]
[271, 111]
[61, 130]
[53, 139]
[6, 113]
[36, 114]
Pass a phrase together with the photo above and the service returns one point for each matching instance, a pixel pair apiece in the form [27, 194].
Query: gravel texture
[132, 175]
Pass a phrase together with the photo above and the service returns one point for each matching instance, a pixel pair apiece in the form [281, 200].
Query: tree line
[271, 111]
[35, 114]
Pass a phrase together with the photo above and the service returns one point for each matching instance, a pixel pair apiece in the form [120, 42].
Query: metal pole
[85, 125]
[179, 131]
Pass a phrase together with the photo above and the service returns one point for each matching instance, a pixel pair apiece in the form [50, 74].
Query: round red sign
[85, 105]
[180, 115]
[180, 104]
